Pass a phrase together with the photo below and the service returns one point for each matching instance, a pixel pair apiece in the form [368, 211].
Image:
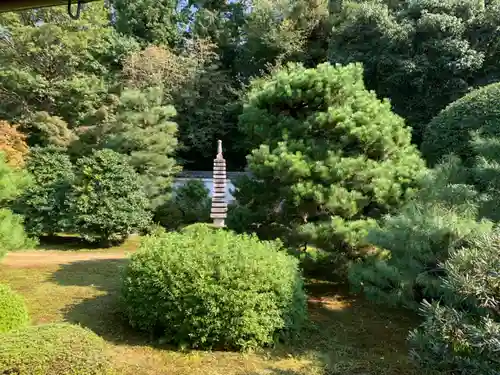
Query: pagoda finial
[219, 149]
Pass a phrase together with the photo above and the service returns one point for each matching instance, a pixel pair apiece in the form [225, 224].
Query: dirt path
[47, 258]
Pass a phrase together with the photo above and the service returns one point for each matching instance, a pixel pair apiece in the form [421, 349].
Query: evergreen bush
[190, 203]
[53, 349]
[453, 129]
[13, 311]
[107, 201]
[209, 288]
[43, 203]
[463, 335]
[413, 243]
[12, 234]
[328, 157]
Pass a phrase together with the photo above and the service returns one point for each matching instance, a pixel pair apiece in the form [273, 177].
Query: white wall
[208, 182]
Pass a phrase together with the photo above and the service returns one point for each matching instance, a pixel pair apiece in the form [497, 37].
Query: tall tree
[420, 54]
[150, 21]
[204, 96]
[138, 125]
[332, 157]
[54, 64]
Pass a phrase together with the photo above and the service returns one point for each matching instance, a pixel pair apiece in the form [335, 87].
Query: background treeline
[370, 128]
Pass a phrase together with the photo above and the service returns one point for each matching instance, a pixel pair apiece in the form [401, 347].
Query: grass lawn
[347, 335]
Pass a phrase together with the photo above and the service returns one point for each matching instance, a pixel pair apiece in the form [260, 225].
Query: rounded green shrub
[42, 203]
[452, 130]
[53, 349]
[107, 201]
[207, 288]
[13, 311]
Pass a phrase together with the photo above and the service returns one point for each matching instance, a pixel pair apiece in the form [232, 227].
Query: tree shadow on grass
[100, 312]
[65, 243]
[347, 335]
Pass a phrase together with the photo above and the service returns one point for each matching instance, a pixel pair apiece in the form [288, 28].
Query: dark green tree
[138, 125]
[203, 94]
[332, 157]
[420, 54]
[149, 21]
[43, 203]
[58, 65]
[452, 130]
[107, 201]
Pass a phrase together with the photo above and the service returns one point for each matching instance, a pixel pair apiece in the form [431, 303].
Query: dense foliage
[106, 201]
[464, 336]
[420, 54]
[190, 204]
[329, 157]
[68, 80]
[453, 129]
[102, 112]
[136, 124]
[12, 183]
[13, 311]
[43, 202]
[415, 241]
[239, 292]
[53, 349]
[12, 144]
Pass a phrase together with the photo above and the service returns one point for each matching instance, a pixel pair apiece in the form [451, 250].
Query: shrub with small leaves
[13, 311]
[207, 288]
[463, 336]
[53, 349]
[452, 130]
[43, 202]
[107, 201]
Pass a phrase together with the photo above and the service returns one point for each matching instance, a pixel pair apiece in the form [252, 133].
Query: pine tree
[414, 242]
[138, 125]
[330, 156]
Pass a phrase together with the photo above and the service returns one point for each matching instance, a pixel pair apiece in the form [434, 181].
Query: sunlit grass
[347, 335]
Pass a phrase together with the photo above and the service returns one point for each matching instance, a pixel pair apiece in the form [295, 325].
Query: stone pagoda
[219, 204]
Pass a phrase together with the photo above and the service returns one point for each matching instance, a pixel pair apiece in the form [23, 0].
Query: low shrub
[208, 288]
[53, 349]
[190, 203]
[463, 336]
[13, 311]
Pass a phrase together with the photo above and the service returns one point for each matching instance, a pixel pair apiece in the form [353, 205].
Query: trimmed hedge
[13, 311]
[452, 129]
[53, 349]
[212, 288]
